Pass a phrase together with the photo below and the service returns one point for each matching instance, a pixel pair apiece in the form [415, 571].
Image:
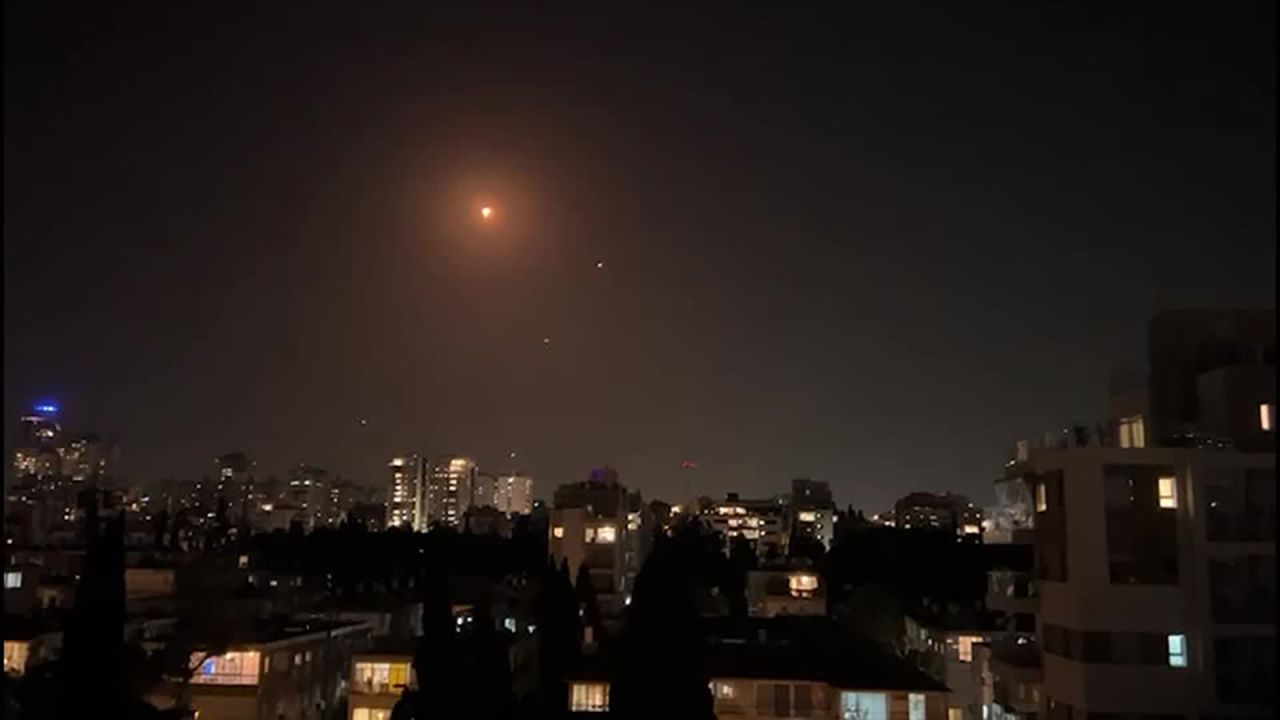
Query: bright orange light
[486, 212]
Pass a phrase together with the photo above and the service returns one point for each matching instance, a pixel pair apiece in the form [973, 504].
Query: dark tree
[559, 638]
[661, 646]
[588, 605]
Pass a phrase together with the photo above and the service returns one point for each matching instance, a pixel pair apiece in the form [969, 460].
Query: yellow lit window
[1132, 432]
[589, 697]
[803, 585]
[964, 647]
[1168, 490]
[557, 531]
[808, 516]
[605, 534]
[1042, 498]
[1267, 416]
[231, 668]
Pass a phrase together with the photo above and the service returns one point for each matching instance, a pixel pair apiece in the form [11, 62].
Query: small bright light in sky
[546, 341]
[486, 212]
[599, 264]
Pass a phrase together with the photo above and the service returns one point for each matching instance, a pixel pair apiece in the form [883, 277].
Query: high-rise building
[86, 457]
[515, 494]
[450, 484]
[234, 486]
[484, 493]
[307, 496]
[406, 493]
[36, 450]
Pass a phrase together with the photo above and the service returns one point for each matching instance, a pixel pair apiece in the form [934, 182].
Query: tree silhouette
[559, 639]
[588, 605]
[661, 646]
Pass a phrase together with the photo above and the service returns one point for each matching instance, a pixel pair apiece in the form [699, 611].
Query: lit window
[971, 529]
[12, 579]
[232, 668]
[803, 586]
[721, 690]
[1168, 490]
[244, 561]
[589, 697]
[1178, 650]
[964, 647]
[1042, 498]
[557, 531]
[606, 534]
[916, 707]
[808, 516]
[864, 706]
[1132, 432]
[1267, 416]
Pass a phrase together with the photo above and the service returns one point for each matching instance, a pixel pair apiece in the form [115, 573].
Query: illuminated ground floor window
[589, 697]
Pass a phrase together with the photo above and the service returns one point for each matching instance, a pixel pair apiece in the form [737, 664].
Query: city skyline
[867, 247]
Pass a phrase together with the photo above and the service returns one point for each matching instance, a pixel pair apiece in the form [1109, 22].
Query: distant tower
[405, 493]
[449, 490]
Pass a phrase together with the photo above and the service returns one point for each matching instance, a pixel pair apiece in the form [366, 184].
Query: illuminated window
[971, 529]
[916, 706]
[1168, 490]
[864, 706]
[589, 697]
[1267, 416]
[803, 586]
[1132, 432]
[605, 534]
[239, 667]
[15, 656]
[1042, 498]
[964, 647]
[380, 677]
[955, 713]
[12, 579]
[722, 690]
[808, 516]
[557, 531]
[370, 714]
[1177, 650]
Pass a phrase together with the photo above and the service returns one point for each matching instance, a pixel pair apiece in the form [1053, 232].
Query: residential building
[290, 670]
[1155, 572]
[762, 523]
[87, 457]
[786, 591]
[514, 494]
[1154, 534]
[449, 489]
[307, 497]
[944, 511]
[588, 526]
[942, 640]
[406, 498]
[28, 642]
[813, 511]
[379, 677]
[234, 486]
[789, 668]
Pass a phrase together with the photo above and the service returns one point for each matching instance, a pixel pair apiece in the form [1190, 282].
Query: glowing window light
[1168, 492]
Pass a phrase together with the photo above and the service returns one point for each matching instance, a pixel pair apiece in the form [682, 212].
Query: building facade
[406, 488]
[449, 490]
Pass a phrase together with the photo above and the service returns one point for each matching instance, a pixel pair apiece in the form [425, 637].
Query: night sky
[873, 248]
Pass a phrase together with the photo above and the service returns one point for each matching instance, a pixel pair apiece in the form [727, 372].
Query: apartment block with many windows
[1155, 570]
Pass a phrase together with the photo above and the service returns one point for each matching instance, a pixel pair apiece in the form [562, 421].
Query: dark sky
[872, 248]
